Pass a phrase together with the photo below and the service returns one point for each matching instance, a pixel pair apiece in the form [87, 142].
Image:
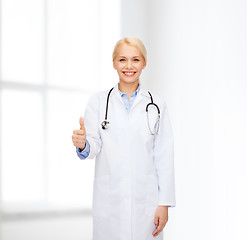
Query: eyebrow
[125, 57]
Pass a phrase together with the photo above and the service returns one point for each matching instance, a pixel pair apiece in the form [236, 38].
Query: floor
[47, 228]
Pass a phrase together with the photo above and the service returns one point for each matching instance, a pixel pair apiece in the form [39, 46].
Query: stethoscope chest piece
[105, 125]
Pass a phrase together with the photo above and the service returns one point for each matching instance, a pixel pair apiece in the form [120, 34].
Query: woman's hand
[79, 136]
[160, 219]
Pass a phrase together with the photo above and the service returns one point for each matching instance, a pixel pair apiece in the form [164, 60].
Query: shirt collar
[142, 91]
[134, 93]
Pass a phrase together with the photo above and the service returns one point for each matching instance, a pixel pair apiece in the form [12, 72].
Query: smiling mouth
[129, 74]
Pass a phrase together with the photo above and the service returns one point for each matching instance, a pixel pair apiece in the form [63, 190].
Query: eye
[136, 60]
[122, 60]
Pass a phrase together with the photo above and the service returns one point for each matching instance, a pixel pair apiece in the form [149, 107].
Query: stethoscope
[105, 123]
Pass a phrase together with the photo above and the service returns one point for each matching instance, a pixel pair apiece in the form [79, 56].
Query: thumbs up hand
[79, 136]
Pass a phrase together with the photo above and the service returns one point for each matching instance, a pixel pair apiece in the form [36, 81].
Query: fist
[79, 136]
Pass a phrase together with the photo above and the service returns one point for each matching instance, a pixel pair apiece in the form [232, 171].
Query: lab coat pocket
[152, 195]
[101, 196]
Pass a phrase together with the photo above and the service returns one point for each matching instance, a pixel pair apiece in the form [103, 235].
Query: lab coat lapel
[140, 96]
[116, 94]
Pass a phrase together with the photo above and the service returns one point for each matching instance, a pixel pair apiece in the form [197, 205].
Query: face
[129, 63]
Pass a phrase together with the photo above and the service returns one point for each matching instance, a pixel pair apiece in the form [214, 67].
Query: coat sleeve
[91, 122]
[164, 160]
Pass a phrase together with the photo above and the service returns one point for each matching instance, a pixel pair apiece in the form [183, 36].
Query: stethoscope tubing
[108, 96]
[105, 123]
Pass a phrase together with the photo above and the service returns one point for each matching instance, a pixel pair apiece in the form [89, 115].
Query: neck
[128, 88]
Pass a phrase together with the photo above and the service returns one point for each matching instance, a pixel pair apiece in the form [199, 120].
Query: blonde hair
[132, 41]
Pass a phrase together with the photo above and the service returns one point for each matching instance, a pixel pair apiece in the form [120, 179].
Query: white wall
[46, 78]
[197, 61]
[134, 22]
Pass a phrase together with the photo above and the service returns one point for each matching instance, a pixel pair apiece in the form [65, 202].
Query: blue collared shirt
[127, 103]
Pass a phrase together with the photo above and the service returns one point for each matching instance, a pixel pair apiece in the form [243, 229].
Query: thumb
[156, 221]
[81, 121]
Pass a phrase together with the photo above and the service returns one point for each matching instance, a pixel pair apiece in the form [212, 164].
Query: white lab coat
[134, 172]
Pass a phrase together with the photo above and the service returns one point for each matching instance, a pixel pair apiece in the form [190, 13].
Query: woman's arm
[91, 122]
[164, 160]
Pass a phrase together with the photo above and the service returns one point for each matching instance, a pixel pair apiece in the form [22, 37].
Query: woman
[134, 169]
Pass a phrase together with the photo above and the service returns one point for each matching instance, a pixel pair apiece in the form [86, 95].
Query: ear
[145, 64]
[114, 65]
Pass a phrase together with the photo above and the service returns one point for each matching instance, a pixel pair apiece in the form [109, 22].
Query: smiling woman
[134, 170]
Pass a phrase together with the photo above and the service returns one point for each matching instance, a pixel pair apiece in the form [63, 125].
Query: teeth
[129, 73]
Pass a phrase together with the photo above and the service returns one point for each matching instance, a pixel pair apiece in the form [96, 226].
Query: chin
[129, 80]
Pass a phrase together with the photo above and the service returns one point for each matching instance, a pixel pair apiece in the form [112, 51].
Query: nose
[129, 64]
